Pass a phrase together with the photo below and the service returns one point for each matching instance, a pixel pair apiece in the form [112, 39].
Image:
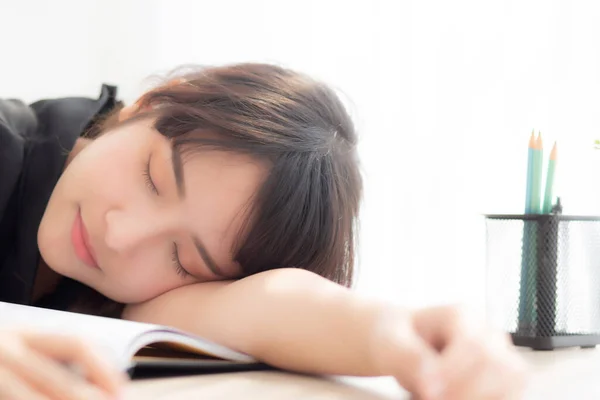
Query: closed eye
[177, 263]
[148, 178]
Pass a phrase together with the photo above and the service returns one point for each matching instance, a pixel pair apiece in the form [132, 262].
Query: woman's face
[132, 221]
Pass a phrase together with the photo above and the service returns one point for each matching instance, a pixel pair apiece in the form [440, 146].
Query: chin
[124, 296]
[53, 249]
[50, 255]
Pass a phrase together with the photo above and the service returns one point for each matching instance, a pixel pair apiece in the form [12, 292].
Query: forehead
[219, 189]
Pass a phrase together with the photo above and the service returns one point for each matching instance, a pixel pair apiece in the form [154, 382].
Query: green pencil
[527, 287]
[549, 192]
[536, 184]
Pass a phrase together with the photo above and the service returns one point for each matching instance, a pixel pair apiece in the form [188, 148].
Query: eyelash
[178, 267]
[174, 254]
[148, 179]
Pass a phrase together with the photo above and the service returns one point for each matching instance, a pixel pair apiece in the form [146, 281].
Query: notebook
[140, 349]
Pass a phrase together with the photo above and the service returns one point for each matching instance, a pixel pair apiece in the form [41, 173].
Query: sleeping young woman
[223, 202]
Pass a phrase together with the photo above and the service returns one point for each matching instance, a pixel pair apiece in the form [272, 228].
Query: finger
[439, 326]
[48, 376]
[461, 366]
[14, 388]
[418, 369]
[482, 367]
[409, 358]
[487, 382]
[476, 387]
[75, 351]
[461, 358]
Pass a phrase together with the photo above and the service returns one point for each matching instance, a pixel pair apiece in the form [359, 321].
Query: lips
[81, 242]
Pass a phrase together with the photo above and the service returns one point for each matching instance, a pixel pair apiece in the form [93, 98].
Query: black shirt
[34, 143]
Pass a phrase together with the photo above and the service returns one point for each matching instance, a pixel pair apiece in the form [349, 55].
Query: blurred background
[444, 95]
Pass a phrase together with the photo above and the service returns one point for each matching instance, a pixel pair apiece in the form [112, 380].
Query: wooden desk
[561, 374]
[263, 385]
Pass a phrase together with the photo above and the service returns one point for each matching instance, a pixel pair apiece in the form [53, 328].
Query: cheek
[103, 175]
[140, 288]
[142, 277]
[111, 169]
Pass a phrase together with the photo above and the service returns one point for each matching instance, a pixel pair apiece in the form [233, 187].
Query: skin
[133, 225]
[289, 318]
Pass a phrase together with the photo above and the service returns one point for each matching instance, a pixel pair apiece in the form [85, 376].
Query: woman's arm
[289, 318]
[296, 320]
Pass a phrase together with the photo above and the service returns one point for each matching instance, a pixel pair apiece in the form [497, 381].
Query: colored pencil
[530, 156]
[536, 184]
[549, 192]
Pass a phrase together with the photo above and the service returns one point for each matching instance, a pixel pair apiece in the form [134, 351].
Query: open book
[141, 349]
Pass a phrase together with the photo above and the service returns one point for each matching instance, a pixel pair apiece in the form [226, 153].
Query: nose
[126, 229]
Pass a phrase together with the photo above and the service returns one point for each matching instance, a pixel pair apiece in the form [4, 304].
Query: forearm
[291, 319]
[305, 323]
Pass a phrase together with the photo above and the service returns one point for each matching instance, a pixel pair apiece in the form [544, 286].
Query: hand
[32, 367]
[442, 353]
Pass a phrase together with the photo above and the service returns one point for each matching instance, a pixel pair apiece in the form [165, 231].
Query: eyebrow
[178, 171]
[208, 260]
[179, 181]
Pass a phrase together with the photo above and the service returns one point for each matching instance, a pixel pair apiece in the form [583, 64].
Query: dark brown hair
[305, 213]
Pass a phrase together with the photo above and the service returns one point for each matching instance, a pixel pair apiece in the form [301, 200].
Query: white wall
[444, 93]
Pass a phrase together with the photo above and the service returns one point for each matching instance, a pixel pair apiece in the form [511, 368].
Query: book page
[113, 336]
[118, 339]
[183, 342]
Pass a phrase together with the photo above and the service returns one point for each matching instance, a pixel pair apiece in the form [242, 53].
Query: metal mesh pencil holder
[543, 279]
